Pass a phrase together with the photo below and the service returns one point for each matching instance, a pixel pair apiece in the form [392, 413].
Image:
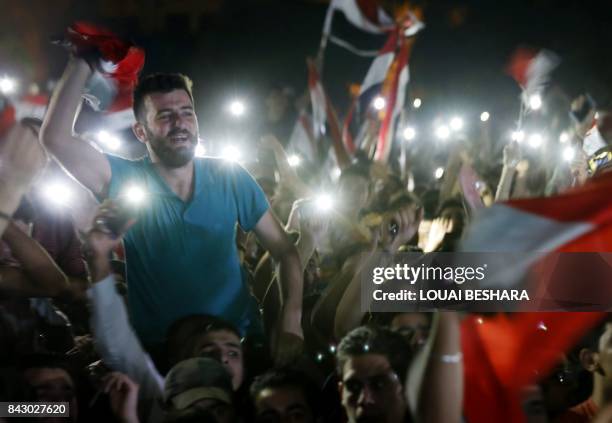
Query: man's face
[223, 412]
[170, 127]
[282, 404]
[224, 346]
[371, 391]
[52, 385]
[413, 325]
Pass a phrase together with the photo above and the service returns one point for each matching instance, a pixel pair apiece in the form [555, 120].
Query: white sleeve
[117, 343]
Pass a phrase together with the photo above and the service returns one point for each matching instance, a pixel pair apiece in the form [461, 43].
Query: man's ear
[139, 130]
[589, 360]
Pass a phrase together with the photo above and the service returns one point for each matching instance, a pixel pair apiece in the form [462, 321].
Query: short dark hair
[375, 340]
[159, 83]
[183, 333]
[288, 377]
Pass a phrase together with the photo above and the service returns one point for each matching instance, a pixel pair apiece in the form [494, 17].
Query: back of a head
[159, 83]
[375, 340]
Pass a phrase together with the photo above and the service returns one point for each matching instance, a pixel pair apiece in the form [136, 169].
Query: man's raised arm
[83, 161]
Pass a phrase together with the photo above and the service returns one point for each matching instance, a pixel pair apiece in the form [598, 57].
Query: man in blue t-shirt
[181, 256]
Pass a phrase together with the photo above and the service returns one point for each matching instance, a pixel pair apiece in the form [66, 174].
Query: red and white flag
[323, 112]
[118, 66]
[367, 15]
[531, 69]
[504, 354]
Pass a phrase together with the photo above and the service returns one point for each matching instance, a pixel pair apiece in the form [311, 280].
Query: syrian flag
[7, 116]
[367, 15]
[544, 230]
[504, 354]
[531, 69]
[323, 112]
[117, 63]
[394, 94]
[302, 140]
[33, 106]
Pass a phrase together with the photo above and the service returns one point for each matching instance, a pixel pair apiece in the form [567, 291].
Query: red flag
[506, 353]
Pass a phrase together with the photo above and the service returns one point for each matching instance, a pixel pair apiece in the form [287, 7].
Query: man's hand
[438, 230]
[100, 241]
[123, 394]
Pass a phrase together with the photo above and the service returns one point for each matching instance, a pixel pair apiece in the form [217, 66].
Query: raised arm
[82, 160]
[38, 276]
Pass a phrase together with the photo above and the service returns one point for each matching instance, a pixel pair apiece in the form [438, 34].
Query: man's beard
[169, 156]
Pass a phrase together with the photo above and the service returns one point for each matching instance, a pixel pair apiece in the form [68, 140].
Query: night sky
[248, 46]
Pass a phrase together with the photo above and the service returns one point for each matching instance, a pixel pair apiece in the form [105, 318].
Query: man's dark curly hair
[159, 83]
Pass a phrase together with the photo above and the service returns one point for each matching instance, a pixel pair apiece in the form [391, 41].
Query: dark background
[242, 48]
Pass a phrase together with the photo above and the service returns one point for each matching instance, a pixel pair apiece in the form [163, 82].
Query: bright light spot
[417, 103]
[535, 102]
[568, 154]
[237, 108]
[366, 348]
[7, 85]
[379, 103]
[134, 194]
[456, 123]
[319, 357]
[332, 349]
[336, 172]
[542, 326]
[484, 116]
[439, 173]
[442, 132]
[324, 202]
[231, 153]
[409, 133]
[294, 160]
[108, 140]
[564, 137]
[200, 150]
[596, 115]
[518, 136]
[480, 320]
[535, 140]
[58, 193]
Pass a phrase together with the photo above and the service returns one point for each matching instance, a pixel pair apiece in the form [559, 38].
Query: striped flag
[367, 15]
[118, 66]
[531, 69]
[323, 112]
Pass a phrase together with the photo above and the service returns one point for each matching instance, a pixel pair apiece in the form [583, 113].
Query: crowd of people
[232, 295]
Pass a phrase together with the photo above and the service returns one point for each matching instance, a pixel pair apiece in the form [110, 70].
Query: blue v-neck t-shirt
[181, 257]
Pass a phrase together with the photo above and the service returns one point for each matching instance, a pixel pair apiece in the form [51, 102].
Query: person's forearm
[10, 197]
[116, 341]
[65, 103]
[505, 184]
[291, 280]
[288, 177]
[36, 262]
[442, 395]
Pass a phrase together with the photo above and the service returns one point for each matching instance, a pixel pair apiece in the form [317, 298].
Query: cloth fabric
[581, 413]
[181, 256]
[120, 349]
